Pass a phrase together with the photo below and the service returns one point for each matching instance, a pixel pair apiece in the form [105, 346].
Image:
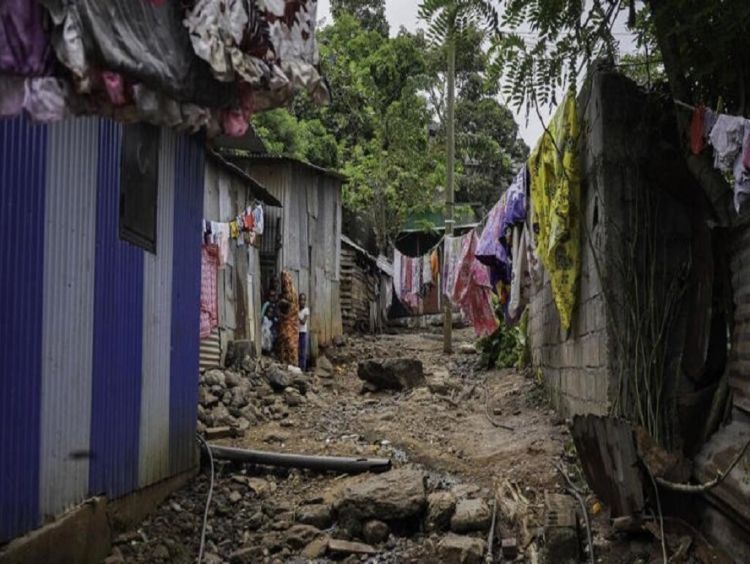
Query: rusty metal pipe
[346, 465]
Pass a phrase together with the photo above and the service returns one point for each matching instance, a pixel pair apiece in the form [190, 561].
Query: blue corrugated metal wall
[22, 190]
[118, 321]
[186, 291]
[69, 286]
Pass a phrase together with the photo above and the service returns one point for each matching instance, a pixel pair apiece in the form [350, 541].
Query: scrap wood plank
[609, 457]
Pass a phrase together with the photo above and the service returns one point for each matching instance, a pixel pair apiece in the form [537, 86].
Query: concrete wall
[616, 149]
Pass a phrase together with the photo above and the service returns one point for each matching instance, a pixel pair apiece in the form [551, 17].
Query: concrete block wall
[579, 367]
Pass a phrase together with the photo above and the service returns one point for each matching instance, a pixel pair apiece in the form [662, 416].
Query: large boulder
[392, 374]
[395, 495]
[455, 549]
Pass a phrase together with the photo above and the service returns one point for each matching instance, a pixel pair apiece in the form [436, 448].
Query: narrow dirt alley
[459, 442]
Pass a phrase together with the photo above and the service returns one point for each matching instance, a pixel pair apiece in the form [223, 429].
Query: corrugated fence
[98, 338]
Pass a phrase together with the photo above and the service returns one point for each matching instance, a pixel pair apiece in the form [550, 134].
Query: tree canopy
[384, 127]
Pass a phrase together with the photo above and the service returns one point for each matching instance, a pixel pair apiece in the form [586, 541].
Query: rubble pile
[294, 515]
[231, 401]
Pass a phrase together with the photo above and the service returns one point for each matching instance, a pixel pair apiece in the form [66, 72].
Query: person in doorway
[288, 340]
[271, 300]
[304, 316]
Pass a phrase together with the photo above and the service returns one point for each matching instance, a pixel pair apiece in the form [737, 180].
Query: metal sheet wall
[118, 334]
[68, 313]
[22, 194]
[186, 293]
[76, 388]
[157, 307]
[739, 367]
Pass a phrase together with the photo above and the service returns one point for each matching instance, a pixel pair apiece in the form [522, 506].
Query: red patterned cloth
[697, 139]
[209, 289]
[473, 291]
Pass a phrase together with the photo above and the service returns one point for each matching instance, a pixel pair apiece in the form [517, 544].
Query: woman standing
[288, 322]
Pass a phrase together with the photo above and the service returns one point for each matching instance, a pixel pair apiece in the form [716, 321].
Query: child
[304, 316]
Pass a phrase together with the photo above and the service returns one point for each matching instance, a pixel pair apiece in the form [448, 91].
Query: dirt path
[468, 429]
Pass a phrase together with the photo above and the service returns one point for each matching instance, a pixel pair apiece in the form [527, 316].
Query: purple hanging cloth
[24, 39]
[515, 207]
[490, 251]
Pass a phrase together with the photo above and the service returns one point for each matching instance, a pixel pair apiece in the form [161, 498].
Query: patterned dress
[288, 322]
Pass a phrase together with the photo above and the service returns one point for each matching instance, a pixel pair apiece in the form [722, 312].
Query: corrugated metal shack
[229, 191]
[366, 288]
[304, 236]
[98, 325]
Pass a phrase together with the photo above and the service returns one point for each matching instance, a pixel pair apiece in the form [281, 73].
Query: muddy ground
[474, 433]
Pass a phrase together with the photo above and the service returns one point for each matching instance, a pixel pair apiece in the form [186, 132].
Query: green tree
[369, 13]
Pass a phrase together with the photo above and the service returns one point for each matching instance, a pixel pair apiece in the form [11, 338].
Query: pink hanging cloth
[473, 290]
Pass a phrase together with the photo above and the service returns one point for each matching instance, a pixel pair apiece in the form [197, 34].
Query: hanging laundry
[25, 48]
[472, 291]
[398, 273]
[234, 229]
[697, 130]
[209, 314]
[520, 284]
[490, 250]
[435, 266]
[221, 235]
[427, 269]
[555, 194]
[515, 206]
[726, 138]
[258, 219]
[451, 254]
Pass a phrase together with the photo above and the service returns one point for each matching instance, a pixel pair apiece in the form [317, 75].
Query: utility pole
[449, 191]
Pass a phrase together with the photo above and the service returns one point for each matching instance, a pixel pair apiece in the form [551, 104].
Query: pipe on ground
[341, 464]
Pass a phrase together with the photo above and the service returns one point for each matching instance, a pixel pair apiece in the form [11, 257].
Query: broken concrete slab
[317, 515]
[457, 549]
[337, 546]
[393, 373]
[398, 494]
[471, 515]
[299, 536]
[316, 548]
[440, 508]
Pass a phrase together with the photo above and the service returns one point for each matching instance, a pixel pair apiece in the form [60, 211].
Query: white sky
[404, 13]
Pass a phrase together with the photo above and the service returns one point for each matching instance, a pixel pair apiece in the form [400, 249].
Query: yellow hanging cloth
[555, 195]
[234, 229]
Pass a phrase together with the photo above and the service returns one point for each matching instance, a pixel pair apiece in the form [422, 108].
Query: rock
[337, 546]
[275, 437]
[398, 494]
[375, 532]
[393, 374]
[246, 555]
[243, 424]
[232, 379]
[471, 515]
[214, 433]
[440, 508]
[467, 348]
[235, 497]
[323, 367]
[299, 536]
[256, 520]
[316, 549]
[292, 397]
[206, 398]
[239, 398]
[279, 379]
[455, 549]
[214, 378]
[160, 552]
[302, 383]
[318, 515]
[220, 416]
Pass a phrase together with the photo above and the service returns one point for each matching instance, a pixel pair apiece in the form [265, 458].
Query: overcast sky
[404, 13]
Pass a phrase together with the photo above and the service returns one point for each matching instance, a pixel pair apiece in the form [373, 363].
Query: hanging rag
[427, 269]
[221, 233]
[697, 130]
[520, 285]
[258, 219]
[451, 254]
[726, 138]
[398, 273]
[25, 48]
[472, 291]
[435, 266]
[490, 250]
[515, 206]
[209, 314]
[234, 229]
[555, 194]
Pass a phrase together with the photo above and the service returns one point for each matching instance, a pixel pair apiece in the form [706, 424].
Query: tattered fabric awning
[207, 63]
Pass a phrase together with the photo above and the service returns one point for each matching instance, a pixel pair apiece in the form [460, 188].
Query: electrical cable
[208, 500]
